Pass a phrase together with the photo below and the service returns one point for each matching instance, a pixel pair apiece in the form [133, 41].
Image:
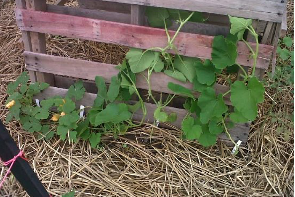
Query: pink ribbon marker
[10, 164]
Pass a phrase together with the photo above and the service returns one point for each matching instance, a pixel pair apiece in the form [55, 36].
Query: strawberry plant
[207, 116]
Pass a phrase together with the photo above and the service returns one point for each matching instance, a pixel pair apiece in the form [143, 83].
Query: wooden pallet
[122, 22]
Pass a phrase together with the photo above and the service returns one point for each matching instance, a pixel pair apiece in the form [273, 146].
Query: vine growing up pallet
[207, 116]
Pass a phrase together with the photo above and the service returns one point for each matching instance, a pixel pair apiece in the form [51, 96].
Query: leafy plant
[207, 116]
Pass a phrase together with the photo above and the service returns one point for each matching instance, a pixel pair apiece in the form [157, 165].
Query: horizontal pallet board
[239, 132]
[88, 70]
[189, 27]
[267, 10]
[192, 45]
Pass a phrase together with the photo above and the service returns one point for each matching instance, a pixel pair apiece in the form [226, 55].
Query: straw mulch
[154, 162]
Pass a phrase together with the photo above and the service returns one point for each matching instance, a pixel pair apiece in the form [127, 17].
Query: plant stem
[226, 93]
[255, 54]
[228, 134]
[180, 27]
[246, 74]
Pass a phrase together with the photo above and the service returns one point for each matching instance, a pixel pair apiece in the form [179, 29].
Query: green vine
[207, 116]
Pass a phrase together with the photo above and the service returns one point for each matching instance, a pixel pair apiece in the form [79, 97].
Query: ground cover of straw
[155, 162]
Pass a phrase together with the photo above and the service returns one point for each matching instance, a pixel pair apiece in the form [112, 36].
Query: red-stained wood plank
[239, 132]
[88, 70]
[192, 45]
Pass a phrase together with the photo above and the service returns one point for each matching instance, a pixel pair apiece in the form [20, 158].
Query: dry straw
[147, 161]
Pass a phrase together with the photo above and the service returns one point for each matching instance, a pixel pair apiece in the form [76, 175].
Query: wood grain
[89, 70]
[268, 10]
[192, 45]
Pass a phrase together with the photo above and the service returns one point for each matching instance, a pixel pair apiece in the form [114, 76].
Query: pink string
[11, 162]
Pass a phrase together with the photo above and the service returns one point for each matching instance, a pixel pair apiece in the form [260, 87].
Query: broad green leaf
[238, 117]
[62, 131]
[102, 92]
[239, 25]
[191, 105]
[215, 127]
[23, 89]
[207, 139]
[114, 89]
[233, 69]
[176, 75]
[211, 106]
[159, 66]
[160, 115]
[125, 94]
[197, 86]
[245, 98]
[178, 89]
[94, 139]
[205, 72]
[14, 112]
[139, 60]
[224, 52]
[76, 91]
[186, 66]
[135, 107]
[156, 16]
[113, 113]
[288, 41]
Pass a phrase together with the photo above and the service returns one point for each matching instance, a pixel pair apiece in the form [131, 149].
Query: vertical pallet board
[38, 40]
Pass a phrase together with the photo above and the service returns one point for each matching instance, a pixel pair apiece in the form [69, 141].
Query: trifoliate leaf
[22, 79]
[211, 106]
[62, 131]
[139, 60]
[245, 98]
[176, 75]
[186, 66]
[179, 89]
[32, 125]
[224, 52]
[205, 72]
[239, 25]
[14, 112]
[41, 113]
[114, 88]
[156, 16]
[76, 91]
[94, 139]
[102, 91]
[69, 120]
[73, 136]
[160, 115]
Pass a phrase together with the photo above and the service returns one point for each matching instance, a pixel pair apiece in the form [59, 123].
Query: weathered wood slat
[192, 45]
[104, 5]
[268, 10]
[89, 70]
[239, 132]
[190, 27]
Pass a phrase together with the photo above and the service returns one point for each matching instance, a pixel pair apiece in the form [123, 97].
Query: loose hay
[147, 161]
